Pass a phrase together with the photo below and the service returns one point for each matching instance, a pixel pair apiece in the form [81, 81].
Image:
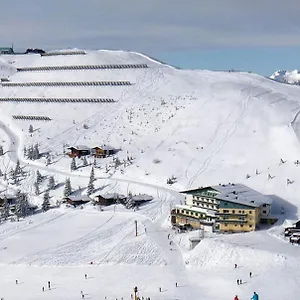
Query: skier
[85, 276]
[176, 284]
[237, 281]
[168, 235]
[235, 266]
[43, 289]
[241, 281]
[236, 297]
[250, 274]
[255, 296]
[16, 281]
[49, 285]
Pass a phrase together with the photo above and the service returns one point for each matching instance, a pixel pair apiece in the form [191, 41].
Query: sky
[260, 35]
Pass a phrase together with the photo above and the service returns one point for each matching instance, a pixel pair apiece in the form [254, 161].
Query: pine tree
[91, 187]
[46, 202]
[73, 166]
[36, 152]
[1, 173]
[25, 151]
[18, 168]
[48, 161]
[39, 177]
[36, 188]
[30, 129]
[84, 161]
[1, 150]
[22, 205]
[68, 188]
[51, 183]
[95, 162]
[30, 153]
[5, 210]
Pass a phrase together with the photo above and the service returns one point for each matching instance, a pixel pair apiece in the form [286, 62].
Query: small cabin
[103, 151]
[140, 199]
[109, 199]
[78, 151]
[77, 200]
[6, 50]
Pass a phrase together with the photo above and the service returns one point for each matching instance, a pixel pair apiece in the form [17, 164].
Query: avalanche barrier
[59, 100]
[35, 118]
[83, 67]
[61, 83]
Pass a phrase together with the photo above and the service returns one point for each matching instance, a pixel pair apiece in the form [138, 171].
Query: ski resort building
[103, 151]
[109, 199]
[77, 200]
[78, 151]
[227, 208]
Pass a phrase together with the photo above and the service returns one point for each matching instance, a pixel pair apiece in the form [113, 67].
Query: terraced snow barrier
[63, 53]
[60, 83]
[83, 67]
[60, 100]
[35, 118]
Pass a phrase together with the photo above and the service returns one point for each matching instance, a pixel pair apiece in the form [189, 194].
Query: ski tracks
[245, 103]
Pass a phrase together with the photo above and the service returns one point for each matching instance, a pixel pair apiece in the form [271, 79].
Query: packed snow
[198, 127]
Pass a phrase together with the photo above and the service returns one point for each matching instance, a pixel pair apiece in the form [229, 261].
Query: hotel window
[242, 225]
[233, 211]
[250, 226]
[264, 211]
[250, 212]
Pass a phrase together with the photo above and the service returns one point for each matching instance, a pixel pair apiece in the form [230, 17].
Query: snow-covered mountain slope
[291, 77]
[202, 127]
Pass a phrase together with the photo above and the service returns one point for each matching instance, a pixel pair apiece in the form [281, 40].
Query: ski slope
[202, 127]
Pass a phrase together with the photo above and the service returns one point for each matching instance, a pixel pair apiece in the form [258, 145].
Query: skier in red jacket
[236, 298]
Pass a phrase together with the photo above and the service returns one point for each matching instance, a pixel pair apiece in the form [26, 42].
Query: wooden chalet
[297, 224]
[103, 151]
[77, 200]
[109, 199]
[140, 199]
[11, 199]
[78, 151]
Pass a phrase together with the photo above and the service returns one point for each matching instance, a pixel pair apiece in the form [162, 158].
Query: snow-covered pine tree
[36, 188]
[68, 188]
[48, 161]
[5, 210]
[1, 150]
[39, 177]
[84, 161]
[25, 151]
[91, 187]
[18, 168]
[46, 202]
[30, 152]
[30, 129]
[1, 173]
[51, 183]
[73, 166]
[22, 205]
[36, 152]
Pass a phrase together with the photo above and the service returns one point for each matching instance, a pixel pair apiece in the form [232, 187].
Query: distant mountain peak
[291, 77]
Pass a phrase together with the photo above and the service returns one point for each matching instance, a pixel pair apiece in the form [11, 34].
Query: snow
[292, 77]
[202, 127]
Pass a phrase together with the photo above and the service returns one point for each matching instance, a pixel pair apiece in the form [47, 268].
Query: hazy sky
[189, 33]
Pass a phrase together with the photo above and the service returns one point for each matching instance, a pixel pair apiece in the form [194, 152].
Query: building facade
[230, 208]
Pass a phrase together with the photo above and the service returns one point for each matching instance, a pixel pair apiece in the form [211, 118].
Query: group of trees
[32, 152]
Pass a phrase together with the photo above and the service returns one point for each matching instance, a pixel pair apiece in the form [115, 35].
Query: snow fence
[60, 100]
[83, 67]
[61, 83]
[35, 118]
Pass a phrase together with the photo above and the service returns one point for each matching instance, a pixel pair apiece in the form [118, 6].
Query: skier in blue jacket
[254, 297]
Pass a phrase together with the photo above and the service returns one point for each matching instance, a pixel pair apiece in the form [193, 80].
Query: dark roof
[78, 198]
[79, 147]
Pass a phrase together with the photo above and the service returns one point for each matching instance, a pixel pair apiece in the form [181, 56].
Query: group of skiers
[239, 281]
[254, 297]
